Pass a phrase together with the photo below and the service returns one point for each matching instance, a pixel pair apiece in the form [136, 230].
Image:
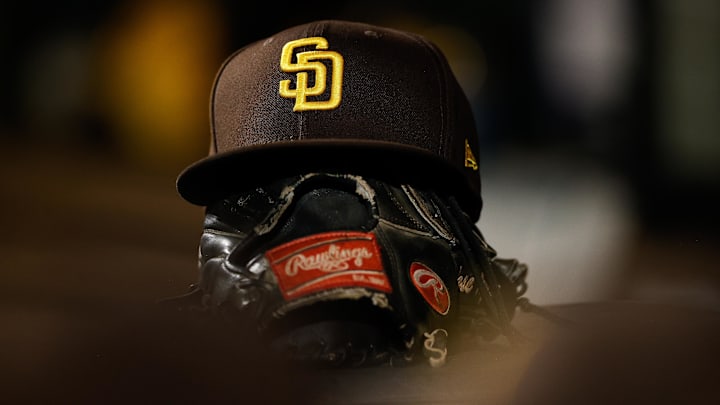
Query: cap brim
[221, 175]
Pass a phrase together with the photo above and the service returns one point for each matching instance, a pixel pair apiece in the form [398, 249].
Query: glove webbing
[490, 290]
[475, 250]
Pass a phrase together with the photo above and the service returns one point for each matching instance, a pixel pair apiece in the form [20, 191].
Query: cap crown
[353, 85]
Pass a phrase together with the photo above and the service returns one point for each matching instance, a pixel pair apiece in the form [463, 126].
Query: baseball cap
[338, 96]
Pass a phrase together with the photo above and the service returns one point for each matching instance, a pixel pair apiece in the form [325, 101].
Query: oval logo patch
[431, 287]
[326, 261]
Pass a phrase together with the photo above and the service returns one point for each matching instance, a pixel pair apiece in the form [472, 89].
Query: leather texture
[339, 269]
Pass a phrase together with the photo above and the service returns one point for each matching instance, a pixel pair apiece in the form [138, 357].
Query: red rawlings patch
[328, 260]
[431, 287]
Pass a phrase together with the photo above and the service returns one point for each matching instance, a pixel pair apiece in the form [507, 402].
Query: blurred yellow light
[158, 63]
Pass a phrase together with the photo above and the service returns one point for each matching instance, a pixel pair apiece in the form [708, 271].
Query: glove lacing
[479, 255]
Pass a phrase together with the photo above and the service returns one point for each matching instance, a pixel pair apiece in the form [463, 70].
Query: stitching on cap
[301, 114]
[443, 90]
[310, 31]
[216, 82]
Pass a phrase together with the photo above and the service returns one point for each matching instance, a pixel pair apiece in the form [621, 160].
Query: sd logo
[311, 61]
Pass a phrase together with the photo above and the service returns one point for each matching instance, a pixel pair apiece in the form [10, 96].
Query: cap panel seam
[310, 31]
[213, 93]
[442, 84]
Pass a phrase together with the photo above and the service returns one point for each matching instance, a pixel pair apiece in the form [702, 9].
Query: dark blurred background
[599, 129]
[599, 119]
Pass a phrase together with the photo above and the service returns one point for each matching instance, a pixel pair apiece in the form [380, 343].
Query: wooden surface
[89, 244]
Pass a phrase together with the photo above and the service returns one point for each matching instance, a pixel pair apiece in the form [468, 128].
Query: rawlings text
[328, 260]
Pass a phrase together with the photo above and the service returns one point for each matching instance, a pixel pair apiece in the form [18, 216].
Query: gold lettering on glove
[311, 61]
[466, 284]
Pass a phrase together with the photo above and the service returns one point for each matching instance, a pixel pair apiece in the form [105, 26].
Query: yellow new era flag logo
[470, 160]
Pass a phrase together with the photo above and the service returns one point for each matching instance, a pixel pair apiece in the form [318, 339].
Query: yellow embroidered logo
[469, 157]
[311, 61]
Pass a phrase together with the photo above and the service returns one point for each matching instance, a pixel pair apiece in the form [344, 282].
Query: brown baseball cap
[338, 96]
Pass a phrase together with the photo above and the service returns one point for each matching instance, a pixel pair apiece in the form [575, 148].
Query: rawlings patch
[431, 287]
[328, 260]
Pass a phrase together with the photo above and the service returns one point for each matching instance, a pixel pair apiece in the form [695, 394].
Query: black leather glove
[340, 269]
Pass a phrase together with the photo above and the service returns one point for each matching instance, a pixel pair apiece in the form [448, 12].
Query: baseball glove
[344, 270]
